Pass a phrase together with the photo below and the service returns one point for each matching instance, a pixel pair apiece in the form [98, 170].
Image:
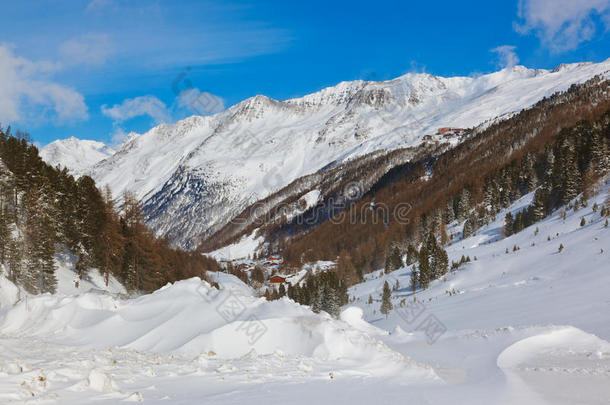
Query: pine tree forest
[45, 210]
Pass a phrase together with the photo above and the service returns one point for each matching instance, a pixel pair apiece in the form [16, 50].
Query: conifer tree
[549, 163]
[393, 260]
[316, 299]
[449, 213]
[508, 224]
[388, 267]
[386, 299]
[39, 275]
[15, 260]
[596, 153]
[467, 229]
[463, 205]
[438, 259]
[5, 232]
[412, 255]
[425, 275]
[331, 302]
[539, 205]
[566, 171]
[413, 279]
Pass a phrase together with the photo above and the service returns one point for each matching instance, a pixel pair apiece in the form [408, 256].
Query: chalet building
[272, 260]
[277, 280]
[449, 131]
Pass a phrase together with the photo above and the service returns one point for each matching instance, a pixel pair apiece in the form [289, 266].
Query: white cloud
[562, 24]
[200, 102]
[187, 102]
[507, 57]
[26, 92]
[138, 106]
[89, 49]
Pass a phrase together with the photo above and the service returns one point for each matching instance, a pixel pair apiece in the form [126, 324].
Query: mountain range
[193, 176]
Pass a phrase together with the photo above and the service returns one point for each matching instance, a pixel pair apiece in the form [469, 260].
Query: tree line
[44, 210]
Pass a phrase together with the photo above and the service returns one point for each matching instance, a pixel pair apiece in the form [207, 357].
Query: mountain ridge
[221, 162]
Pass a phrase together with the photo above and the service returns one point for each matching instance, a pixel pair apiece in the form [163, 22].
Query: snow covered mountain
[76, 154]
[195, 175]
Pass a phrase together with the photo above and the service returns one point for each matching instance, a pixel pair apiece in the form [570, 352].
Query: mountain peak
[76, 154]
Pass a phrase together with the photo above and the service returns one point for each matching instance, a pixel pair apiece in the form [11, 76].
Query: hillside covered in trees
[45, 210]
[559, 147]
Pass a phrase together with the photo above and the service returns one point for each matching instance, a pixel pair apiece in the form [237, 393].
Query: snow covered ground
[530, 326]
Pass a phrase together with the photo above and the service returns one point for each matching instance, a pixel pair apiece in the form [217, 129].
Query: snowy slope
[187, 343]
[528, 326]
[68, 282]
[194, 175]
[78, 155]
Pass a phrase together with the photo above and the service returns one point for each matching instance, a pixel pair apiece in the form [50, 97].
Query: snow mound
[354, 316]
[556, 348]
[192, 318]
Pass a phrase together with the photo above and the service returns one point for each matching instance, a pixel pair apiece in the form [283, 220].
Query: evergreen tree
[90, 223]
[437, 221]
[463, 205]
[449, 213]
[15, 260]
[438, 259]
[393, 260]
[539, 205]
[413, 279]
[508, 224]
[316, 299]
[386, 299]
[388, 267]
[412, 255]
[39, 276]
[549, 163]
[467, 229]
[597, 153]
[331, 302]
[425, 275]
[566, 171]
[5, 232]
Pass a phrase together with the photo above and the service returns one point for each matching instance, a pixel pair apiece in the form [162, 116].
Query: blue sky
[97, 69]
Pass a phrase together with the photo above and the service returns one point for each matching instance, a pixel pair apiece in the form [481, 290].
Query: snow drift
[190, 317]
